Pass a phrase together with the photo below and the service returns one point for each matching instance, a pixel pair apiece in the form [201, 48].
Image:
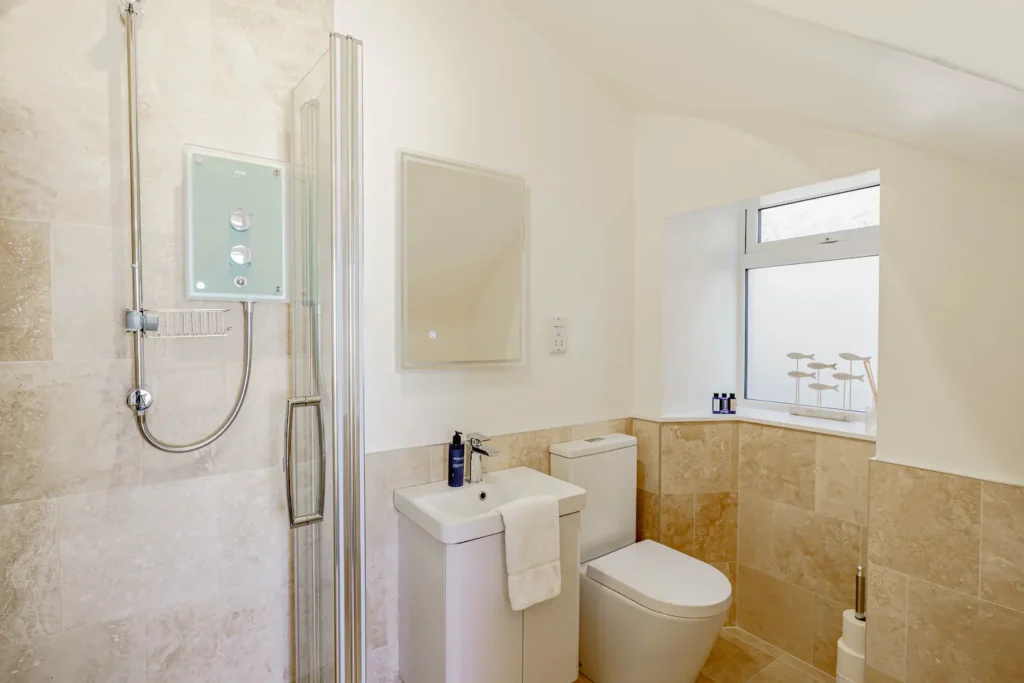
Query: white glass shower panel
[824, 308]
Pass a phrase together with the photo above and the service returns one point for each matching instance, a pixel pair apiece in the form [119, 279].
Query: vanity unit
[455, 621]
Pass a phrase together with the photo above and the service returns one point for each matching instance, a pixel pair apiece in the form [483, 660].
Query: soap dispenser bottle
[456, 461]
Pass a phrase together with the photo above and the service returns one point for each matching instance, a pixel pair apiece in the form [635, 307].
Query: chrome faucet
[474, 467]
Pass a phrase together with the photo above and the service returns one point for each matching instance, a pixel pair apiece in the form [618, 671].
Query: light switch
[558, 335]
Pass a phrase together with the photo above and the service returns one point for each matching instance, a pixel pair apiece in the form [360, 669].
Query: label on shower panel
[235, 226]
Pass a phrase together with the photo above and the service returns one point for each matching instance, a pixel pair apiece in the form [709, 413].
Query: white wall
[950, 314]
[700, 302]
[465, 79]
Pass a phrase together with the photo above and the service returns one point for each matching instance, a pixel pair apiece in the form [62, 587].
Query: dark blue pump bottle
[456, 461]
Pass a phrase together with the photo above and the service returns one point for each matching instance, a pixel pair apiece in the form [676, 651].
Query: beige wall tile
[697, 457]
[756, 532]
[776, 611]
[134, 549]
[816, 552]
[841, 478]
[234, 637]
[91, 289]
[29, 569]
[926, 524]
[729, 569]
[733, 660]
[777, 464]
[25, 302]
[256, 440]
[952, 637]
[648, 451]
[252, 526]
[677, 530]
[48, 452]
[828, 629]
[648, 515]
[532, 449]
[383, 473]
[715, 525]
[585, 431]
[1002, 544]
[887, 621]
[112, 652]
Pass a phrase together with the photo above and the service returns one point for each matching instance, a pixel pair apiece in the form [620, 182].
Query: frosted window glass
[844, 211]
[824, 308]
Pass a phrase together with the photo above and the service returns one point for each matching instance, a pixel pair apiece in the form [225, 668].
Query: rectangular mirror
[462, 263]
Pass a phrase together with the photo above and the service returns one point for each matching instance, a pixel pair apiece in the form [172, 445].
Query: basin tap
[474, 468]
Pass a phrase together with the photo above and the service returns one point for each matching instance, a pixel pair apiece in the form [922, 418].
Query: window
[810, 264]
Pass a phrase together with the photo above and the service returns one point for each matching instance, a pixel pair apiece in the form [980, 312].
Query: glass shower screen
[324, 416]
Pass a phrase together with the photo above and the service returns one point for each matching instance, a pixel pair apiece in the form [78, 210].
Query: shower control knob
[240, 220]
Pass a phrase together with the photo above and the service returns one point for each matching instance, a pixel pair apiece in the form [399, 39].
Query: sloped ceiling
[718, 58]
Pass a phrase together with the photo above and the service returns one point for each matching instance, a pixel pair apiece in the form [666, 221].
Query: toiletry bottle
[456, 461]
[732, 404]
[716, 404]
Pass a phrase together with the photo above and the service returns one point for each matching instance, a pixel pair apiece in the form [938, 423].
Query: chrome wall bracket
[139, 399]
[140, 321]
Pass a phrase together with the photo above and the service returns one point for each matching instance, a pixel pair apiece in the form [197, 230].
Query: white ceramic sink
[457, 515]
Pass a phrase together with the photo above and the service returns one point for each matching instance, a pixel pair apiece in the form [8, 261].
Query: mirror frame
[404, 157]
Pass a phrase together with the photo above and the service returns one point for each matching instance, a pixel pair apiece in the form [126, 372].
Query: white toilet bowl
[649, 614]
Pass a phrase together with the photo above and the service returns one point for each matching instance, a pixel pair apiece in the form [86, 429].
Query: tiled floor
[739, 657]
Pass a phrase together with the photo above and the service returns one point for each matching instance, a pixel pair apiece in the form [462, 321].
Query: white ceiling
[720, 58]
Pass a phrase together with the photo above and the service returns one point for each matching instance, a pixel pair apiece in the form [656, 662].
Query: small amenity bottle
[716, 404]
[456, 461]
[732, 404]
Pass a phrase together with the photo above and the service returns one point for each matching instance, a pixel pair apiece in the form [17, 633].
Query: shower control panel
[235, 226]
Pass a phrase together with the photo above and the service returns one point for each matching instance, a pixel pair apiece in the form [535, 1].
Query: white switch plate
[558, 335]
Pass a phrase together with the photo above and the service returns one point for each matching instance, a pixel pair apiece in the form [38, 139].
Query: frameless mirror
[462, 263]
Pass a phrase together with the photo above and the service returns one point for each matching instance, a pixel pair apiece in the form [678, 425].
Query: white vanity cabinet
[456, 624]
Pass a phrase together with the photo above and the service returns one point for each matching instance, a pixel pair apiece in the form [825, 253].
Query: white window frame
[830, 246]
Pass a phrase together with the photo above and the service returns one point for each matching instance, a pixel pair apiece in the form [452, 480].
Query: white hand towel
[532, 549]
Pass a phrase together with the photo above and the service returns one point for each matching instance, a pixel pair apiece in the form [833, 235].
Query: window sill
[776, 418]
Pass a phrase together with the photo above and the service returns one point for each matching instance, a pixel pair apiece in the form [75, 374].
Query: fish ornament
[817, 386]
[800, 356]
[818, 365]
[853, 356]
[847, 377]
[800, 375]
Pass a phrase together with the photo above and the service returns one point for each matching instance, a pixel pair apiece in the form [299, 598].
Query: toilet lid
[663, 580]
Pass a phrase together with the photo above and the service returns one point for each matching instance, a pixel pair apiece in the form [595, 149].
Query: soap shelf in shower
[189, 323]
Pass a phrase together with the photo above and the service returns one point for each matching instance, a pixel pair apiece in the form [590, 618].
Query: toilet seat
[663, 580]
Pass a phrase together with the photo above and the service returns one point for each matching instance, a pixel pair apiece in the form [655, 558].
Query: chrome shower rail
[140, 399]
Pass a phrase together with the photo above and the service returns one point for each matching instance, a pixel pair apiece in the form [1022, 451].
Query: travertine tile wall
[118, 562]
[385, 472]
[781, 512]
[946, 578]
[802, 516]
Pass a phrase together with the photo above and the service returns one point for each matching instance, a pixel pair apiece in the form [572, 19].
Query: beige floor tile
[785, 672]
[735, 660]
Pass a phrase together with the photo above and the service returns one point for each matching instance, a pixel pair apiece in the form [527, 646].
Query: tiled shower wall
[781, 512]
[392, 470]
[119, 562]
[946, 581]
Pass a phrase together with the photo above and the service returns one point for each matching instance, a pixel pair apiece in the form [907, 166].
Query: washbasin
[456, 515]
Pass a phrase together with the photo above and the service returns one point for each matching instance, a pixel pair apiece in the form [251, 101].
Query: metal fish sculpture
[800, 356]
[853, 356]
[800, 375]
[818, 365]
[847, 377]
[823, 387]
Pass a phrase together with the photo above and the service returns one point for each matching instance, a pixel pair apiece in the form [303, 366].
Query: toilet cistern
[474, 469]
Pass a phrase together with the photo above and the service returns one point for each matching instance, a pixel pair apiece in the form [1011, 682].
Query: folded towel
[532, 549]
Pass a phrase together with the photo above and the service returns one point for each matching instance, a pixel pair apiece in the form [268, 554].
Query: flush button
[240, 220]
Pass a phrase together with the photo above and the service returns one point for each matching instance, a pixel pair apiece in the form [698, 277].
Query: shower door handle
[318, 514]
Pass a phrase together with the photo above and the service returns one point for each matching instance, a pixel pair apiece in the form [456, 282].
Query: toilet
[648, 613]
